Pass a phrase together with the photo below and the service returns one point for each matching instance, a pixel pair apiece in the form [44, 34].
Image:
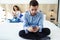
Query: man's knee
[21, 33]
[24, 35]
[46, 31]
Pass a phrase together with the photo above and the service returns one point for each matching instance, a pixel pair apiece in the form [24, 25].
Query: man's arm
[27, 27]
[40, 24]
[25, 24]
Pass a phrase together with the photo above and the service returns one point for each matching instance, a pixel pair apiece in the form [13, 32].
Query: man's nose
[33, 11]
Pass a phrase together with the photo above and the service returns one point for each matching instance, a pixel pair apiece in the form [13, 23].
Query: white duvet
[10, 31]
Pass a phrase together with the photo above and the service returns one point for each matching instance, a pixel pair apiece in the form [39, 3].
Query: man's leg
[29, 35]
[45, 32]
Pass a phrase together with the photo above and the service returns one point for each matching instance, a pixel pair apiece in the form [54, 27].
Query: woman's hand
[14, 14]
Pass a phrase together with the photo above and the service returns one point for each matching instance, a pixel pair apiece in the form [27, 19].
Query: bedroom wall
[27, 1]
[46, 8]
[59, 15]
[45, 5]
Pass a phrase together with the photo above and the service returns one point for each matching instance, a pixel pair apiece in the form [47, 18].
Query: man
[33, 24]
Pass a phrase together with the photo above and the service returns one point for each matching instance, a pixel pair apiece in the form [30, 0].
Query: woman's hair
[16, 7]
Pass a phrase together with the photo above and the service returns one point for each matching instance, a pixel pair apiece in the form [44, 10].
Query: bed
[9, 31]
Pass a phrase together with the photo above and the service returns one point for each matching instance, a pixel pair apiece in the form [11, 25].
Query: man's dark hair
[33, 3]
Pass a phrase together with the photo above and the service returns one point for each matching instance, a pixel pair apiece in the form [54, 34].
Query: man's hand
[30, 29]
[36, 29]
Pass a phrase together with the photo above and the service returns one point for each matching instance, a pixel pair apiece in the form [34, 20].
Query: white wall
[59, 15]
[27, 1]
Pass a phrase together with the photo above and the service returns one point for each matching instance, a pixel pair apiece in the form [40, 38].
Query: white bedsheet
[10, 31]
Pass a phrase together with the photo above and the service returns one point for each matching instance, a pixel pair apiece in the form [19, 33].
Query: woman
[16, 14]
[16, 11]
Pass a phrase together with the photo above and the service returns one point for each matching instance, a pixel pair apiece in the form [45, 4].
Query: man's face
[33, 9]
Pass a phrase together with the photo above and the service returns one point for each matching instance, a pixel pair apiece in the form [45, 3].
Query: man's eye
[32, 9]
[35, 9]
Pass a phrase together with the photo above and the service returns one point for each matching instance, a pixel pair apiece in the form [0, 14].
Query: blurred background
[49, 7]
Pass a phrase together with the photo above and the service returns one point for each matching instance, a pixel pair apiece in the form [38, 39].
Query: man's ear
[29, 6]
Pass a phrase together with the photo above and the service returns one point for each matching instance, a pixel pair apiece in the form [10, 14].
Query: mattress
[10, 31]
